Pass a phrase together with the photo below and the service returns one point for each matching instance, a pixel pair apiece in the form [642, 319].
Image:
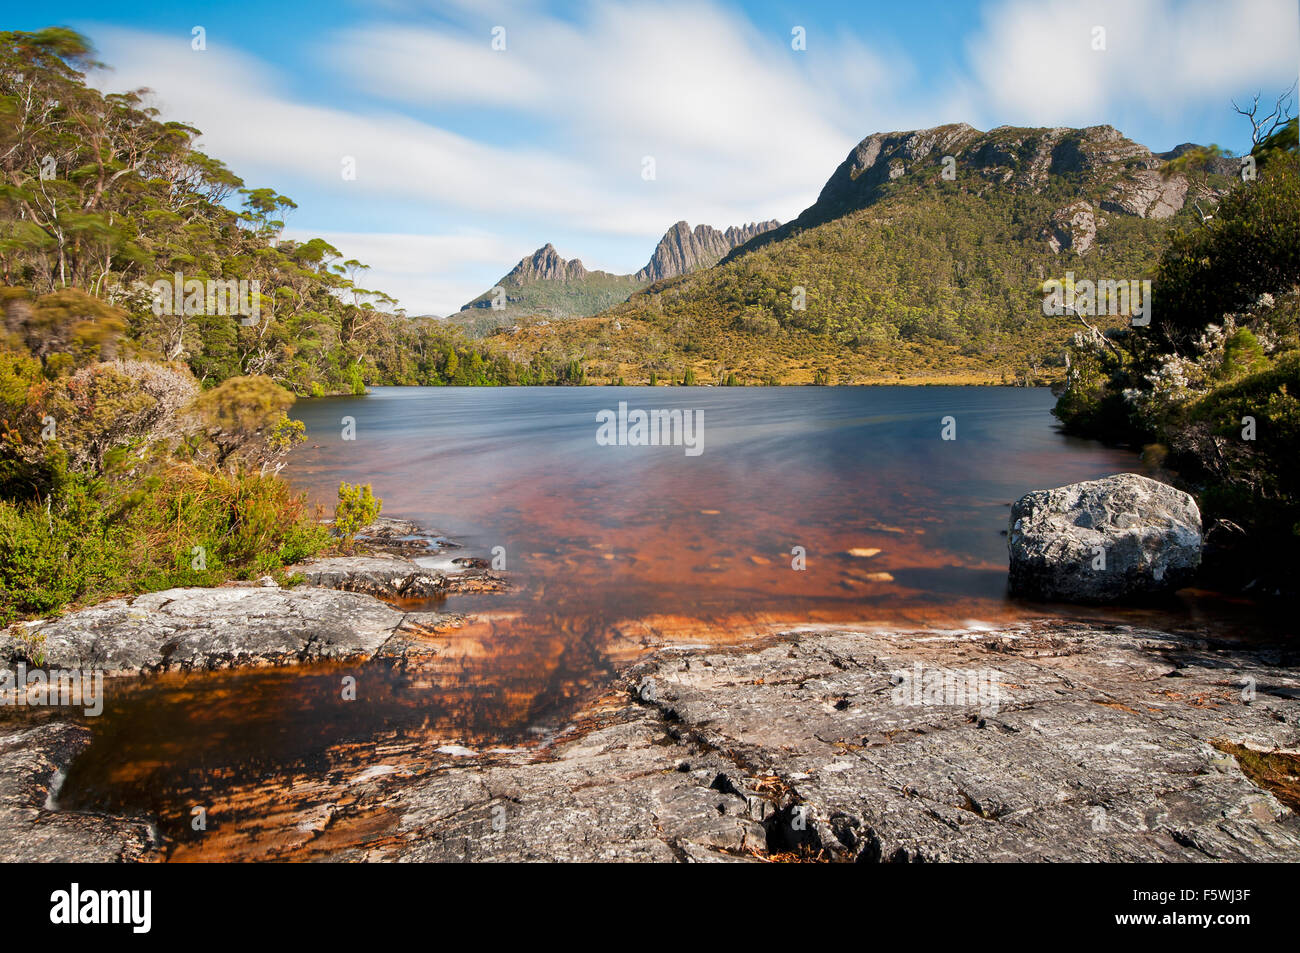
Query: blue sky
[468, 158]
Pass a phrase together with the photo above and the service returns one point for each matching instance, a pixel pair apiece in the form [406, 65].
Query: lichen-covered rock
[396, 577]
[188, 629]
[379, 575]
[1118, 538]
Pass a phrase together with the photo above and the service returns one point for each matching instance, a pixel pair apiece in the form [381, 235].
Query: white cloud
[734, 120]
[432, 67]
[234, 101]
[1034, 61]
[427, 274]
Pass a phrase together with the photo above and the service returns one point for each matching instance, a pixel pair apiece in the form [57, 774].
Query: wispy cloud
[1034, 61]
[547, 137]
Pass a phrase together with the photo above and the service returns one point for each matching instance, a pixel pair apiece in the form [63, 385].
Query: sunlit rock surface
[1121, 537]
[1099, 745]
[1083, 742]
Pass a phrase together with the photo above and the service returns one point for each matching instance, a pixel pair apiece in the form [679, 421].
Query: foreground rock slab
[1119, 538]
[31, 761]
[1096, 743]
[1038, 741]
[194, 629]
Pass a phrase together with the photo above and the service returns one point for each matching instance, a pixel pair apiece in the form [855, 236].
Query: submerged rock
[1119, 538]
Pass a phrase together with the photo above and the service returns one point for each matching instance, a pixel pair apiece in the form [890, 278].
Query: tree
[1264, 127]
[1250, 248]
[244, 421]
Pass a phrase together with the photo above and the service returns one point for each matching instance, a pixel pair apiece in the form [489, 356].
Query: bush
[180, 527]
[357, 508]
[106, 407]
[1250, 248]
[52, 554]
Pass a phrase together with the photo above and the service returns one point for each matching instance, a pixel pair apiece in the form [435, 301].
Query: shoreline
[965, 380]
[799, 744]
[1105, 742]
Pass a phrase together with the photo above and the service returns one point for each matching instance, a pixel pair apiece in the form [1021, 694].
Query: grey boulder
[1120, 538]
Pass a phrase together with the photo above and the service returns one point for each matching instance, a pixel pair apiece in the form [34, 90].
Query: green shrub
[1250, 247]
[179, 527]
[357, 508]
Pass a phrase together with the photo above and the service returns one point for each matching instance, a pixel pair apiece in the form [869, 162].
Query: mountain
[922, 258]
[682, 251]
[547, 265]
[546, 285]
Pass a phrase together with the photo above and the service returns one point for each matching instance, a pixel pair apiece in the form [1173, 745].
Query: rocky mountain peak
[683, 250]
[1097, 159]
[548, 265]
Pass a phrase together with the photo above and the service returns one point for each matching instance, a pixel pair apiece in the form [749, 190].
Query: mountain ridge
[923, 255]
[541, 284]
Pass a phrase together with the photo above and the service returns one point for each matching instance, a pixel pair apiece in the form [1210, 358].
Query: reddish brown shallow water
[609, 550]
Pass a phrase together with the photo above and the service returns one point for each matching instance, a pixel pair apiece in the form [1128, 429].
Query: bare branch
[1261, 127]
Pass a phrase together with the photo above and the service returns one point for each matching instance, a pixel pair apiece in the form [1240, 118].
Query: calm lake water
[609, 534]
[609, 549]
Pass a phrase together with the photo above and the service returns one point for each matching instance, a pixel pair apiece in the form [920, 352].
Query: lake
[607, 536]
[804, 505]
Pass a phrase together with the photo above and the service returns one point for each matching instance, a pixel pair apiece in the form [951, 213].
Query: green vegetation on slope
[1212, 387]
[932, 278]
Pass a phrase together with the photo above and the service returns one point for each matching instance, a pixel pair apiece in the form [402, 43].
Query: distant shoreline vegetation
[954, 381]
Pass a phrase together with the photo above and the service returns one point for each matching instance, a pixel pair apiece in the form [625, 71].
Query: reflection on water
[609, 550]
[611, 535]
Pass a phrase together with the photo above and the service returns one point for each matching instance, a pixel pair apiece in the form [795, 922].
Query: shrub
[357, 508]
[181, 526]
[1250, 248]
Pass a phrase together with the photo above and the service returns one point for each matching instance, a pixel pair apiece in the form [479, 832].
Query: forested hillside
[924, 258]
[99, 198]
